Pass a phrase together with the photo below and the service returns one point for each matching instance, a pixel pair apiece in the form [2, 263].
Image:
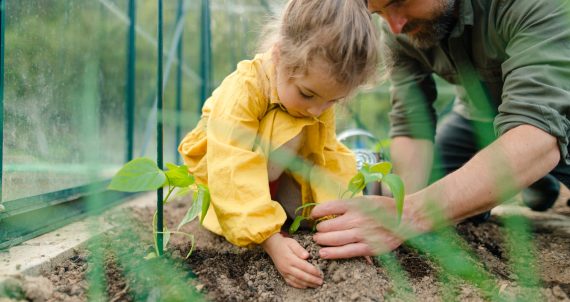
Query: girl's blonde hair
[340, 32]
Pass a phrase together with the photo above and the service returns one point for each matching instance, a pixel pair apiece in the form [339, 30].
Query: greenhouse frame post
[131, 73]
[179, 76]
[205, 53]
[2, 43]
[159, 134]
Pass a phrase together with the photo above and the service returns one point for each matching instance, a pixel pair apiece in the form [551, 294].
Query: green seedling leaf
[395, 184]
[183, 192]
[192, 212]
[310, 204]
[138, 175]
[205, 200]
[383, 167]
[295, 225]
[200, 204]
[178, 176]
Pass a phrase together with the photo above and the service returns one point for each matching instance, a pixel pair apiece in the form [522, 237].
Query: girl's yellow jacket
[241, 123]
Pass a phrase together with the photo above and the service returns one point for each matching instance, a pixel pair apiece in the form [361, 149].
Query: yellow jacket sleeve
[336, 164]
[237, 173]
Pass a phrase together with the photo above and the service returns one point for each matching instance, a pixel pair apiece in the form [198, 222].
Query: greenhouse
[284, 150]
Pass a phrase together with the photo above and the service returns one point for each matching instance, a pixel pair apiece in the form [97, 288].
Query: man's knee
[541, 195]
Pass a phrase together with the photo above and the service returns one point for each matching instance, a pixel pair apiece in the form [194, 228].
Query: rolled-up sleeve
[237, 174]
[536, 74]
[412, 92]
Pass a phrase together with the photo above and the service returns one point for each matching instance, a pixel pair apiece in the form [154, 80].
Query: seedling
[142, 174]
[379, 172]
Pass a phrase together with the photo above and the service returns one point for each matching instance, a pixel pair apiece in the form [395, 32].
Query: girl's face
[309, 94]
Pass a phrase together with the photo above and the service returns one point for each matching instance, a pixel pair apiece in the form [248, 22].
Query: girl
[272, 121]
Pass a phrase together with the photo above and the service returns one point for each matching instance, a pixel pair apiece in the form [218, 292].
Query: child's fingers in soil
[298, 249]
[304, 278]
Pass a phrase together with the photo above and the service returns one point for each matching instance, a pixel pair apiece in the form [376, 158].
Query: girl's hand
[289, 258]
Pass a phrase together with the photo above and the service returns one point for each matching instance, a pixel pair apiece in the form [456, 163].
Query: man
[510, 62]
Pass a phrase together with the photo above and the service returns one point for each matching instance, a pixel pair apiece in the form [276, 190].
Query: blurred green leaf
[396, 185]
[357, 183]
[150, 255]
[138, 175]
[372, 177]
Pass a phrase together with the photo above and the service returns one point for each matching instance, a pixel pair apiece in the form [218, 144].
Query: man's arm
[412, 160]
[515, 160]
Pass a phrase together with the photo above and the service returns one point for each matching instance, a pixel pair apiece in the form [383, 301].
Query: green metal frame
[159, 131]
[29, 217]
[131, 74]
[2, 42]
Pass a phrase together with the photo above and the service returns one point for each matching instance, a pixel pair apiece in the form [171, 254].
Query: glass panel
[64, 94]
[175, 30]
[234, 29]
[236, 26]
[145, 79]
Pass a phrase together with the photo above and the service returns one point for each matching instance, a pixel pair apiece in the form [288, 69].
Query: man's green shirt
[508, 59]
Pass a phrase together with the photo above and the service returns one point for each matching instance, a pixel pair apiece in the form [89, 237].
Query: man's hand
[289, 258]
[364, 226]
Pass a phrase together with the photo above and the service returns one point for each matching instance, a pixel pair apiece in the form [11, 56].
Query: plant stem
[170, 189]
[155, 233]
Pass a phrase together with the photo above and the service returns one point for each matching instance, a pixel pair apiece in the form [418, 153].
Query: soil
[113, 268]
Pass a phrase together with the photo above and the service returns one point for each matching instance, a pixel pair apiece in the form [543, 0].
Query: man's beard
[434, 30]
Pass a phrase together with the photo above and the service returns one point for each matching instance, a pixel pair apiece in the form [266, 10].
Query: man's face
[425, 22]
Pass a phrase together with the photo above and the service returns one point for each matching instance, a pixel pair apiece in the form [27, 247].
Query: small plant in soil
[379, 172]
[142, 174]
